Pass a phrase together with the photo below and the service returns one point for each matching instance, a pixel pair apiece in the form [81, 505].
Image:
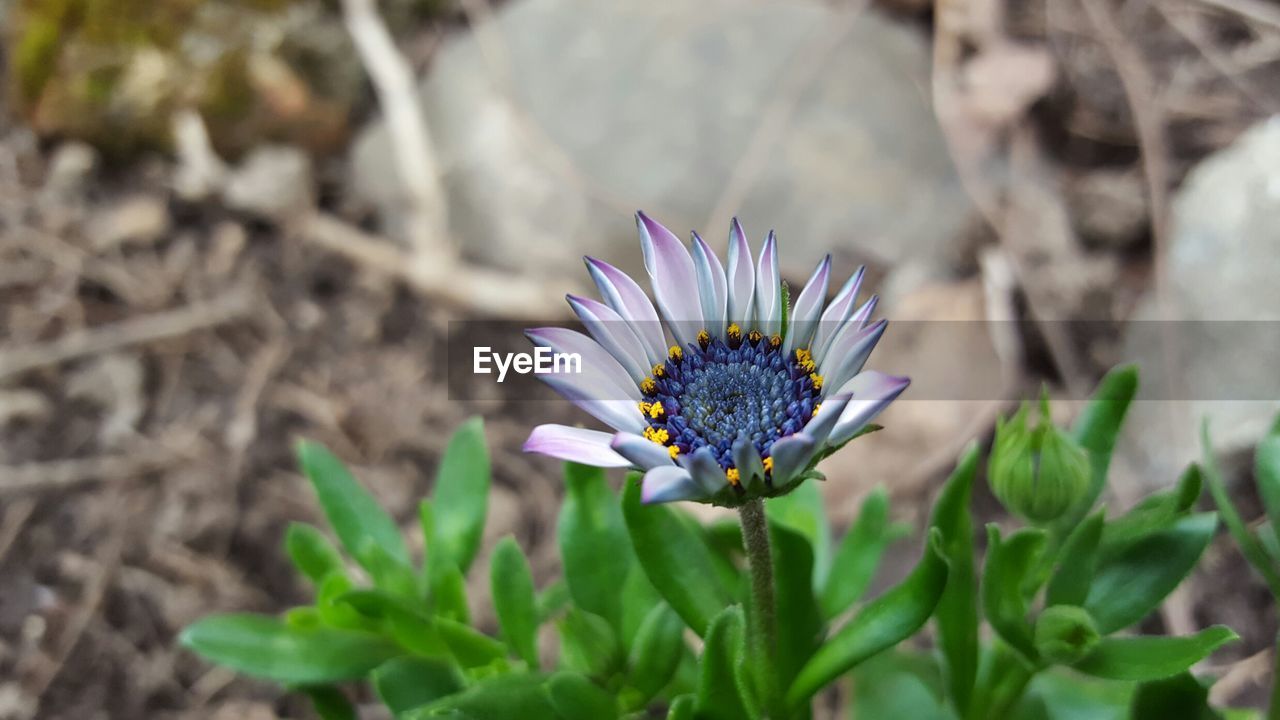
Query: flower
[748, 397]
[1037, 472]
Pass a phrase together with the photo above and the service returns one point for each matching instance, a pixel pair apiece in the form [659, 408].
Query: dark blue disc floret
[710, 393]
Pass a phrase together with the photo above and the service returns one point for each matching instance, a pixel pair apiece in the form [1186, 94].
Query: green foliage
[639, 579]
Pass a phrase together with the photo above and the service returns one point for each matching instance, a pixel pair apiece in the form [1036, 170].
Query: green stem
[762, 630]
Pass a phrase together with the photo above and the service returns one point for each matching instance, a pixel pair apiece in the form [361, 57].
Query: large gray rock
[1212, 347]
[557, 120]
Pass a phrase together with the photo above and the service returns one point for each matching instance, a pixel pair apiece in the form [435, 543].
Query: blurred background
[225, 225]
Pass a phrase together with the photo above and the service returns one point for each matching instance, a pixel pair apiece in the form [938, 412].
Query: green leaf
[1132, 583]
[720, 683]
[1058, 695]
[858, 556]
[1179, 696]
[461, 495]
[957, 612]
[504, 697]
[329, 702]
[577, 698]
[469, 646]
[593, 543]
[800, 623]
[681, 708]
[803, 510]
[1267, 475]
[513, 599]
[268, 648]
[657, 651]
[676, 559]
[1154, 513]
[388, 573]
[448, 589]
[1152, 657]
[589, 644]
[1079, 559]
[1248, 543]
[898, 685]
[883, 623]
[638, 600]
[1010, 562]
[353, 513]
[409, 682]
[311, 552]
[1096, 430]
[408, 624]
[552, 600]
[335, 613]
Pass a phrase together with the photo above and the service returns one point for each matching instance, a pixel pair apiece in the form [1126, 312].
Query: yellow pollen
[817, 380]
[731, 475]
[656, 410]
[734, 331]
[675, 352]
[807, 366]
[658, 435]
[644, 407]
[803, 355]
[704, 339]
[659, 370]
[673, 450]
[648, 386]
[754, 336]
[768, 465]
[816, 408]
[776, 340]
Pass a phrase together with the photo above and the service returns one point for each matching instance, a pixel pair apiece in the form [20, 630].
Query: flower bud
[1065, 634]
[1038, 473]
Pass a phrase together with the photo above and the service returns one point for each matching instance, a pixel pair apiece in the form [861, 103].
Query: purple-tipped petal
[836, 314]
[642, 452]
[849, 353]
[791, 455]
[706, 471]
[856, 323]
[589, 447]
[668, 484]
[768, 289]
[872, 392]
[627, 298]
[809, 306]
[741, 278]
[820, 425]
[621, 415]
[598, 364]
[747, 459]
[674, 280]
[711, 286]
[614, 334]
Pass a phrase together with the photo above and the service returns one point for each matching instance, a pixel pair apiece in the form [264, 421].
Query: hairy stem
[762, 630]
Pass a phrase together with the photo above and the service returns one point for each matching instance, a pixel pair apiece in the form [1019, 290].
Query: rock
[140, 219]
[273, 183]
[1211, 350]
[69, 168]
[601, 108]
[1109, 207]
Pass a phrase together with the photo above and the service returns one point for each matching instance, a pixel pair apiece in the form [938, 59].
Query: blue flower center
[713, 392]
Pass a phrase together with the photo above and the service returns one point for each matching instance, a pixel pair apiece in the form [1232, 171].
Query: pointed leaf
[1079, 559]
[682, 708]
[503, 697]
[1130, 585]
[409, 682]
[676, 559]
[593, 541]
[804, 511]
[1249, 545]
[638, 600]
[311, 552]
[268, 648]
[514, 600]
[589, 645]
[461, 495]
[800, 623]
[1267, 474]
[1096, 430]
[1010, 562]
[883, 623]
[719, 686]
[957, 613]
[1179, 696]
[657, 651]
[858, 556]
[352, 512]
[1154, 513]
[1152, 657]
[576, 698]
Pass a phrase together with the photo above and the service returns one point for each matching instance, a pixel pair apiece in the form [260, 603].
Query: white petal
[741, 278]
[598, 365]
[711, 287]
[674, 280]
[836, 314]
[706, 471]
[668, 484]
[821, 424]
[808, 307]
[589, 447]
[627, 298]
[849, 353]
[872, 392]
[642, 452]
[790, 456]
[768, 289]
[614, 334]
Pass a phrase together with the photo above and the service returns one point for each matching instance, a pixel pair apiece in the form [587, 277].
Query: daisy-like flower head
[732, 395]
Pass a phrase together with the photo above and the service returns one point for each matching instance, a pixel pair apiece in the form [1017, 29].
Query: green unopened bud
[1065, 634]
[1038, 473]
